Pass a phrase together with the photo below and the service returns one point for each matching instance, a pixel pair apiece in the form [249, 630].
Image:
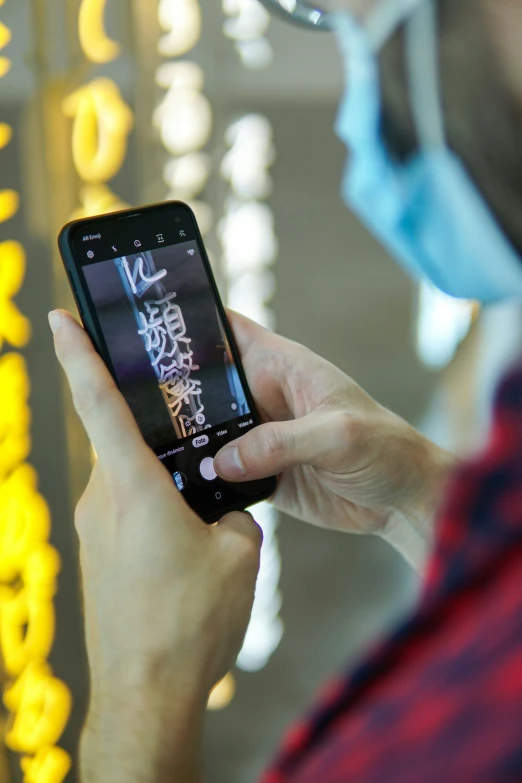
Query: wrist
[411, 526]
[143, 725]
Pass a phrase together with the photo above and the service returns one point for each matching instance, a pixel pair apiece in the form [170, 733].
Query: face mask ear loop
[386, 19]
[422, 58]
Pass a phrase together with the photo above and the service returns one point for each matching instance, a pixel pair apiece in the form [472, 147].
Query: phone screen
[166, 339]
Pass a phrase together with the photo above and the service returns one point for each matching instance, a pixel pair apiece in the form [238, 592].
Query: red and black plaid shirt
[441, 701]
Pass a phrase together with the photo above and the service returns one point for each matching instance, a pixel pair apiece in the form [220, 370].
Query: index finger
[274, 366]
[250, 336]
[266, 362]
[105, 415]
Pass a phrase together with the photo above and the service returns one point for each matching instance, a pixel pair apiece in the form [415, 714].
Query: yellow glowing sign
[5, 35]
[102, 120]
[48, 766]
[25, 525]
[27, 628]
[102, 123]
[14, 326]
[97, 46]
[39, 704]
[15, 444]
[9, 202]
[97, 200]
[6, 134]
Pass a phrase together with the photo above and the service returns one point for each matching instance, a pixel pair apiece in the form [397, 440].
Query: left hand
[167, 597]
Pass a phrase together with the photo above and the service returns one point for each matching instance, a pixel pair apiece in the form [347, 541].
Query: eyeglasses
[300, 13]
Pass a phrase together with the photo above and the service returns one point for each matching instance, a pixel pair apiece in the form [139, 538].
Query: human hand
[345, 462]
[167, 598]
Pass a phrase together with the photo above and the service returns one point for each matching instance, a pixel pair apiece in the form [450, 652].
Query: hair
[483, 117]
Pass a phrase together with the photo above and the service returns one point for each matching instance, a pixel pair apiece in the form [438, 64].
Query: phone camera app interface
[168, 347]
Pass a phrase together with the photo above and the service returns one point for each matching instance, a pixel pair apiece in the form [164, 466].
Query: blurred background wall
[318, 278]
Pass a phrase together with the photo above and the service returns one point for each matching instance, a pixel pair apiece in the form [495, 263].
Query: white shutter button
[206, 468]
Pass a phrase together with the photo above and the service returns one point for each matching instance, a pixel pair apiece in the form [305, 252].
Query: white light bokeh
[181, 20]
[187, 176]
[246, 24]
[443, 323]
[246, 230]
[251, 295]
[249, 250]
[184, 117]
[247, 237]
[266, 627]
[255, 55]
[246, 165]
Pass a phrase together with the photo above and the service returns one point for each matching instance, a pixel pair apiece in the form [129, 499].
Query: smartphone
[148, 299]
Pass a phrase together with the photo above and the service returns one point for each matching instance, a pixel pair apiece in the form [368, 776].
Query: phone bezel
[92, 327]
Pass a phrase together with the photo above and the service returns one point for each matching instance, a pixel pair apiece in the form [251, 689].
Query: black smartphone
[148, 299]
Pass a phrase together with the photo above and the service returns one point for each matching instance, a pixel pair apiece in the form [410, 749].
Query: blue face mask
[427, 211]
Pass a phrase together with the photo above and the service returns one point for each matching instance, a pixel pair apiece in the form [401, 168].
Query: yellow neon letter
[102, 123]
[25, 525]
[41, 705]
[5, 35]
[15, 417]
[5, 66]
[41, 569]
[94, 41]
[97, 200]
[6, 134]
[14, 327]
[9, 199]
[50, 765]
[27, 627]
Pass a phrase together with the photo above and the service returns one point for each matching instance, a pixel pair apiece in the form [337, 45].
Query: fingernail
[229, 465]
[54, 320]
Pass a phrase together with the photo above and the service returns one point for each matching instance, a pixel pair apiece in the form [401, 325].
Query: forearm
[142, 736]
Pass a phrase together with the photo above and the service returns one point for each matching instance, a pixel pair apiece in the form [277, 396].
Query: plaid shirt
[440, 701]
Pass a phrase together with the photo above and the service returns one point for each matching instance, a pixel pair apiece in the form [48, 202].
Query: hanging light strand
[249, 249]
[184, 117]
[38, 703]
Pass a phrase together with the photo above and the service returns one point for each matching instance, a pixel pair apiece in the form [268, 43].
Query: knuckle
[275, 446]
[256, 538]
[251, 549]
[348, 426]
[248, 537]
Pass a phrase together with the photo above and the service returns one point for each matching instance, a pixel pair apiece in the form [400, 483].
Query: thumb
[272, 448]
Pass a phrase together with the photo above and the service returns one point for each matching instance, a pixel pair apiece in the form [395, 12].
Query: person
[432, 117]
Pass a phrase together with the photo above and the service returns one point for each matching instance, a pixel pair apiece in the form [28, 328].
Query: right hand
[345, 462]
